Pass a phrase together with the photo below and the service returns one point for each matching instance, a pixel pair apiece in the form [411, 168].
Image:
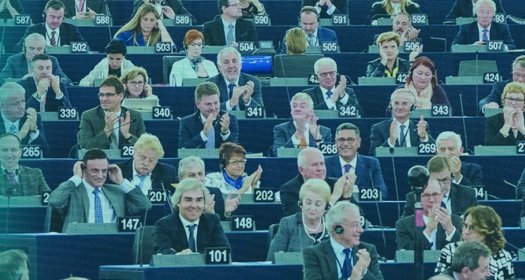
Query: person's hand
[362, 264]
[492, 105]
[115, 174]
[208, 124]
[148, 90]
[90, 13]
[508, 113]
[237, 93]
[384, 58]
[110, 119]
[410, 34]
[125, 122]
[443, 217]
[42, 87]
[349, 183]
[321, 3]
[247, 91]
[210, 205]
[252, 181]
[186, 251]
[55, 85]
[31, 118]
[168, 12]
[328, 3]
[393, 132]
[300, 127]
[161, 26]
[231, 204]
[225, 123]
[314, 127]
[422, 128]
[518, 121]
[432, 221]
[77, 169]
[415, 52]
[455, 166]
[478, 43]
[339, 91]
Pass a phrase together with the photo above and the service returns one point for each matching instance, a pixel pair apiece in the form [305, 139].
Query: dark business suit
[375, 68]
[243, 79]
[341, 7]
[72, 202]
[367, 169]
[162, 174]
[191, 127]
[96, 5]
[461, 198]
[320, 262]
[521, 186]
[176, 5]
[52, 104]
[17, 5]
[92, 134]
[323, 35]
[469, 34]
[68, 33]
[380, 133]
[319, 101]
[169, 234]
[463, 8]
[16, 67]
[494, 95]
[493, 137]
[213, 32]
[40, 140]
[30, 181]
[406, 233]
[472, 175]
[282, 136]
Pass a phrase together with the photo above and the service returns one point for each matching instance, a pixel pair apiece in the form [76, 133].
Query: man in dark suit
[45, 92]
[16, 119]
[493, 100]
[343, 256]
[170, 8]
[208, 127]
[16, 179]
[441, 227]
[401, 131]
[484, 29]
[237, 90]
[471, 262]
[465, 9]
[175, 233]
[328, 96]
[19, 65]
[327, 8]
[228, 28]
[83, 9]
[455, 197]
[361, 170]
[303, 130]
[86, 198]
[521, 185]
[110, 125]
[57, 32]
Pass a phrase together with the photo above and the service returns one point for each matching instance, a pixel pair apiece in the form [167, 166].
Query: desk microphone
[3, 36]
[167, 197]
[392, 151]
[463, 121]
[8, 193]
[517, 190]
[110, 23]
[369, 168]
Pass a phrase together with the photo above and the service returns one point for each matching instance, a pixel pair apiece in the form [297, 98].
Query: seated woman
[144, 29]
[505, 128]
[390, 64]
[422, 81]
[232, 178]
[482, 223]
[305, 228]
[194, 65]
[251, 8]
[136, 85]
[10, 8]
[295, 41]
[390, 8]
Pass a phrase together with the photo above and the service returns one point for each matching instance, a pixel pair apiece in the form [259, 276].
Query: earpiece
[82, 166]
[339, 229]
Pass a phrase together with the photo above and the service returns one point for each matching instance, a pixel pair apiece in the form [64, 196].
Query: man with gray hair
[189, 229]
[471, 261]
[449, 144]
[18, 66]
[328, 96]
[343, 256]
[237, 90]
[13, 265]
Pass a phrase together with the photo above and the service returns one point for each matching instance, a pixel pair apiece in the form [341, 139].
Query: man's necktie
[230, 92]
[402, 136]
[347, 264]
[11, 175]
[329, 94]
[211, 139]
[98, 207]
[311, 40]
[230, 37]
[347, 167]
[114, 141]
[191, 239]
[80, 6]
[142, 178]
[53, 40]
[302, 143]
[444, 201]
[485, 35]
[13, 129]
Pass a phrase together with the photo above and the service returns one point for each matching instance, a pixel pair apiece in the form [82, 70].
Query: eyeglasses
[444, 181]
[428, 195]
[517, 100]
[101, 95]
[349, 140]
[237, 162]
[326, 74]
[133, 83]
[196, 44]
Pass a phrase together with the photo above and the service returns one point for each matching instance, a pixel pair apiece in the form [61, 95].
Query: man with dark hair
[57, 32]
[471, 261]
[114, 64]
[16, 179]
[19, 65]
[110, 125]
[44, 91]
[361, 170]
[86, 198]
[13, 265]
[229, 28]
[208, 127]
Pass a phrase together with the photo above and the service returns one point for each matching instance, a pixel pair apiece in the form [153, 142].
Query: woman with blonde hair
[295, 41]
[390, 8]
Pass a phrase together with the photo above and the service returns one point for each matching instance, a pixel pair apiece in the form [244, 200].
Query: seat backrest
[143, 245]
[272, 231]
[167, 62]
[477, 67]
[294, 66]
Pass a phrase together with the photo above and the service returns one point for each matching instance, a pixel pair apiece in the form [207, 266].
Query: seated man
[521, 185]
[449, 144]
[84, 9]
[86, 198]
[441, 227]
[401, 131]
[303, 130]
[18, 66]
[343, 255]
[16, 179]
[361, 170]
[16, 119]
[57, 32]
[228, 28]
[44, 91]
[166, 8]
[237, 90]
[328, 96]
[114, 64]
[189, 229]
[402, 25]
[327, 8]
[109, 126]
[484, 28]
[471, 261]
[208, 127]
[465, 9]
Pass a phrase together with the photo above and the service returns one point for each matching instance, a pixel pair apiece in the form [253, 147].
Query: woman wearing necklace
[305, 228]
[232, 179]
[193, 65]
[144, 29]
